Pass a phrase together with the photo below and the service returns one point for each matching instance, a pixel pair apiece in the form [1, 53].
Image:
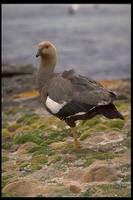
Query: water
[96, 42]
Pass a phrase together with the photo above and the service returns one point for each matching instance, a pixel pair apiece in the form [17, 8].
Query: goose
[70, 96]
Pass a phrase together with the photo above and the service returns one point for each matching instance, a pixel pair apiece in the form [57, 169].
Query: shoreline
[22, 78]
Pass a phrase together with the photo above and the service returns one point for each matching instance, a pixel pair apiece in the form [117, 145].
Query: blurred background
[94, 39]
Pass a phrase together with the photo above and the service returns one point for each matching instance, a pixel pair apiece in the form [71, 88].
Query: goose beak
[39, 53]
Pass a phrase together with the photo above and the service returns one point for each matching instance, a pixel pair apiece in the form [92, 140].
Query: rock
[99, 174]
[97, 139]
[124, 88]
[17, 84]
[27, 188]
[17, 78]
[73, 174]
[75, 188]
[126, 158]
[11, 69]
[58, 145]
[14, 148]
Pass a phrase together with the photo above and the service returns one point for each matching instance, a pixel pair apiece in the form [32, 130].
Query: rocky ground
[38, 159]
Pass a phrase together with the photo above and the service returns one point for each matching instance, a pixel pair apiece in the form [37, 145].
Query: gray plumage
[78, 97]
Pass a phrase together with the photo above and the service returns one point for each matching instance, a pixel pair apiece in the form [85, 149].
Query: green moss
[4, 183]
[39, 195]
[127, 178]
[122, 103]
[6, 133]
[86, 134]
[36, 163]
[50, 120]
[68, 146]
[90, 155]
[93, 155]
[46, 124]
[42, 127]
[12, 165]
[97, 124]
[46, 142]
[56, 159]
[81, 153]
[4, 170]
[115, 190]
[104, 155]
[32, 120]
[88, 193]
[5, 125]
[28, 119]
[129, 133]
[41, 159]
[28, 137]
[60, 124]
[6, 146]
[21, 119]
[40, 150]
[12, 111]
[13, 127]
[12, 194]
[116, 123]
[127, 116]
[34, 149]
[44, 132]
[22, 131]
[25, 127]
[114, 129]
[62, 193]
[35, 124]
[5, 158]
[92, 122]
[35, 166]
[101, 127]
[25, 164]
[55, 136]
[6, 177]
[128, 142]
[51, 153]
[127, 165]
[88, 162]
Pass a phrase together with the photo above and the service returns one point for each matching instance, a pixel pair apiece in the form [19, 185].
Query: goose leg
[76, 143]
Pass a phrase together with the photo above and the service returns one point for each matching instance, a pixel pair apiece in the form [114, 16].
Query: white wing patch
[103, 103]
[54, 106]
[80, 113]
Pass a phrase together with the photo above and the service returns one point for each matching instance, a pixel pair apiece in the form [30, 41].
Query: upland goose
[70, 96]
